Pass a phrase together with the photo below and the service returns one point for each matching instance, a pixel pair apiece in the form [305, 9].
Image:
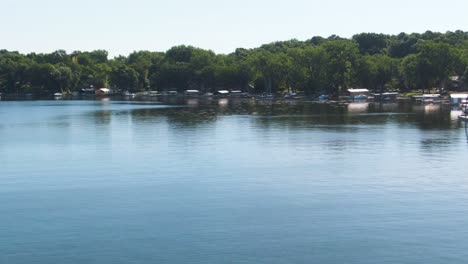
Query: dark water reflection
[296, 113]
[241, 181]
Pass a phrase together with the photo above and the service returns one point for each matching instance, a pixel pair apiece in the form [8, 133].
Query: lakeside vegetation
[379, 62]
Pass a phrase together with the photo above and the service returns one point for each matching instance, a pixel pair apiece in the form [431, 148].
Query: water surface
[231, 181]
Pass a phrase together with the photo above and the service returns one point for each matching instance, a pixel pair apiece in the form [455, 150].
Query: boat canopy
[358, 90]
[430, 95]
[459, 96]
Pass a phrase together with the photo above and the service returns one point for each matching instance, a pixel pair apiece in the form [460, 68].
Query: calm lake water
[231, 182]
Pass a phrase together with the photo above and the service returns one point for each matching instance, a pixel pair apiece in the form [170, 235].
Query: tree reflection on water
[267, 113]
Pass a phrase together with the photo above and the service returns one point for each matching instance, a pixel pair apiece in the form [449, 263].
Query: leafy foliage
[318, 65]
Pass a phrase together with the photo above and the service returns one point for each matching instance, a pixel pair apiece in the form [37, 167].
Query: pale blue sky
[122, 26]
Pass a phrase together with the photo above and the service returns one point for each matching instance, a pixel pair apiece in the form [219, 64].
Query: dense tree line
[319, 65]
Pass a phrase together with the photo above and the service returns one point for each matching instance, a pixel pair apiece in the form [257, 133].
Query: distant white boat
[221, 93]
[463, 103]
[358, 93]
[360, 97]
[324, 97]
[102, 91]
[152, 93]
[191, 92]
[385, 96]
[57, 96]
[128, 94]
[463, 117]
[427, 98]
[236, 93]
[464, 109]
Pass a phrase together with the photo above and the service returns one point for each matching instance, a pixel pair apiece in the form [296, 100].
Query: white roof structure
[358, 90]
[431, 95]
[192, 91]
[223, 91]
[459, 96]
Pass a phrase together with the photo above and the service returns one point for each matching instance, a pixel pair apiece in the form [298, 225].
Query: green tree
[376, 71]
[342, 56]
[412, 73]
[437, 62]
[272, 68]
[124, 77]
[140, 61]
[371, 43]
[307, 69]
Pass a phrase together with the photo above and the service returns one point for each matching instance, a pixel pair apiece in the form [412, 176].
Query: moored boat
[463, 104]
[360, 97]
[465, 109]
[427, 98]
[191, 93]
[128, 94]
[464, 115]
[324, 97]
[103, 91]
[389, 96]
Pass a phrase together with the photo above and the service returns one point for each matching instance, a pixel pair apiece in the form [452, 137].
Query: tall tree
[342, 56]
[371, 43]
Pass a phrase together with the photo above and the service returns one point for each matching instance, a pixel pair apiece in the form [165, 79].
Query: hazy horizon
[121, 27]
